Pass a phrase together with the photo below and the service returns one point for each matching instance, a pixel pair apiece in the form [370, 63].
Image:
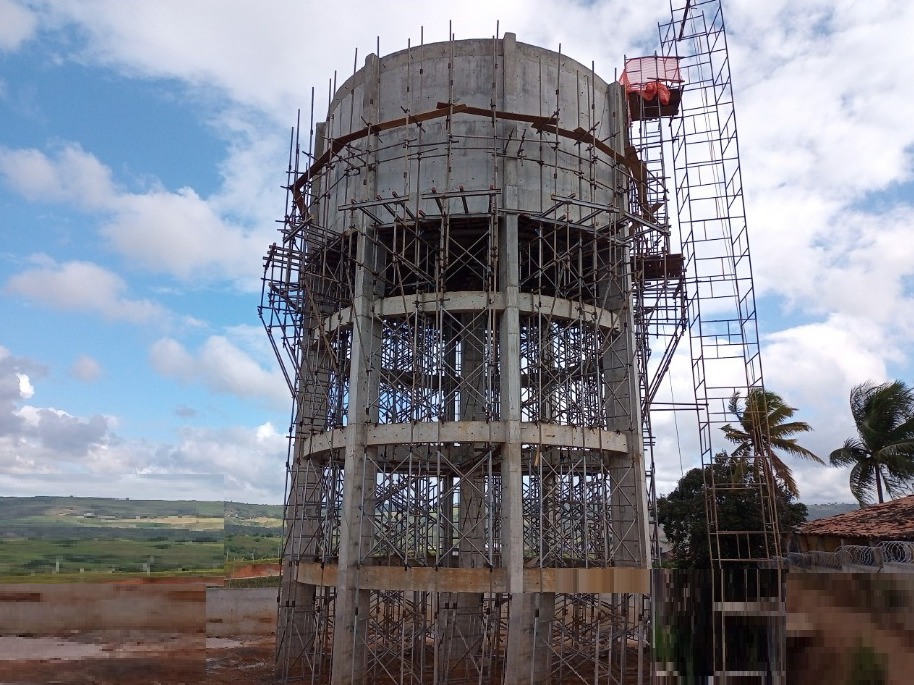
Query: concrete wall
[240, 611]
[34, 609]
[49, 609]
[534, 82]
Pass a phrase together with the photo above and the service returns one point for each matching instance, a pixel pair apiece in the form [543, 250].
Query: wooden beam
[483, 580]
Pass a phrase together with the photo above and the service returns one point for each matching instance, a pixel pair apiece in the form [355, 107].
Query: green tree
[882, 454]
[682, 514]
[764, 430]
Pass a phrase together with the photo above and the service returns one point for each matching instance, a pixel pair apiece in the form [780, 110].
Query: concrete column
[360, 475]
[529, 615]
[623, 405]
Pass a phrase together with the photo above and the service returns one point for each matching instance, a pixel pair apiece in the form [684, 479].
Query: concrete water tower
[452, 299]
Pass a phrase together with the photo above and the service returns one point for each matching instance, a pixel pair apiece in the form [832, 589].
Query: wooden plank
[483, 580]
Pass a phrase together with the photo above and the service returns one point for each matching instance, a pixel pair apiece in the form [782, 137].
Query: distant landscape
[66, 536]
[821, 511]
[57, 538]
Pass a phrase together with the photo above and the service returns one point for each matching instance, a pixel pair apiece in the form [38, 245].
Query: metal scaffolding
[475, 298]
[747, 597]
[465, 300]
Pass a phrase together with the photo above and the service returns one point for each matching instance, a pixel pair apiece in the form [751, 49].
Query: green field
[25, 556]
[252, 531]
[47, 536]
[252, 546]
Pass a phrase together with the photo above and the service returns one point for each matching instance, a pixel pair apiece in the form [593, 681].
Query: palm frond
[884, 416]
[852, 453]
[792, 448]
[764, 425]
[896, 484]
[792, 428]
[782, 472]
[863, 482]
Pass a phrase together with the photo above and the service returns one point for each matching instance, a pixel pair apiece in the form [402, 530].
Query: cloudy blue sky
[142, 149]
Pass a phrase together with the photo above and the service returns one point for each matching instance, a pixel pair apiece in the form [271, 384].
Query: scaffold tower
[475, 297]
[748, 608]
[472, 261]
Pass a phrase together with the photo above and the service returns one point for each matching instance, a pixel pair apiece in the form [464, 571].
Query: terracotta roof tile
[889, 521]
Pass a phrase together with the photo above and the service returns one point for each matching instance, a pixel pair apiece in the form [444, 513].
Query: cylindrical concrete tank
[466, 499]
[454, 149]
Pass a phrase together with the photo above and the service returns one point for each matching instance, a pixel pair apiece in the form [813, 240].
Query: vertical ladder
[748, 599]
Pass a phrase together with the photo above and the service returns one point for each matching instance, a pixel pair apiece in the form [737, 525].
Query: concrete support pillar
[622, 404]
[529, 615]
[351, 620]
[360, 479]
[530, 638]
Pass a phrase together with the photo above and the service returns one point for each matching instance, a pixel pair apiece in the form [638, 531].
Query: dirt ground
[832, 629]
[136, 631]
[246, 662]
[139, 658]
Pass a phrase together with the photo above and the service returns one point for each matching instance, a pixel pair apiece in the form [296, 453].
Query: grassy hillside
[40, 535]
[12, 508]
[242, 513]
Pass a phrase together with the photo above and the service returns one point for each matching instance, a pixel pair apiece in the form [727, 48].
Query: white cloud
[82, 287]
[180, 233]
[54, 448]
[26, 389]
[222, 367]
[819, 138]
[252, 460]
[247, 51]
[74, 176]
[17, 25]
[61, 432]
[827, 358]
[46, 439]
[177, 233]
[86, 369]
[185, 412]
[169, 358]
[16, 375]
[814, 366]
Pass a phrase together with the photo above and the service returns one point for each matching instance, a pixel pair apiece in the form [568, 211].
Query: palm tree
[764, 427]
[882, 454]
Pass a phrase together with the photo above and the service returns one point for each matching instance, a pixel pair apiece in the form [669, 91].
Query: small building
[867, 527]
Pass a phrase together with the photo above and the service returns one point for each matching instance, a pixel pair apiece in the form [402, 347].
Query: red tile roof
[889, 521]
